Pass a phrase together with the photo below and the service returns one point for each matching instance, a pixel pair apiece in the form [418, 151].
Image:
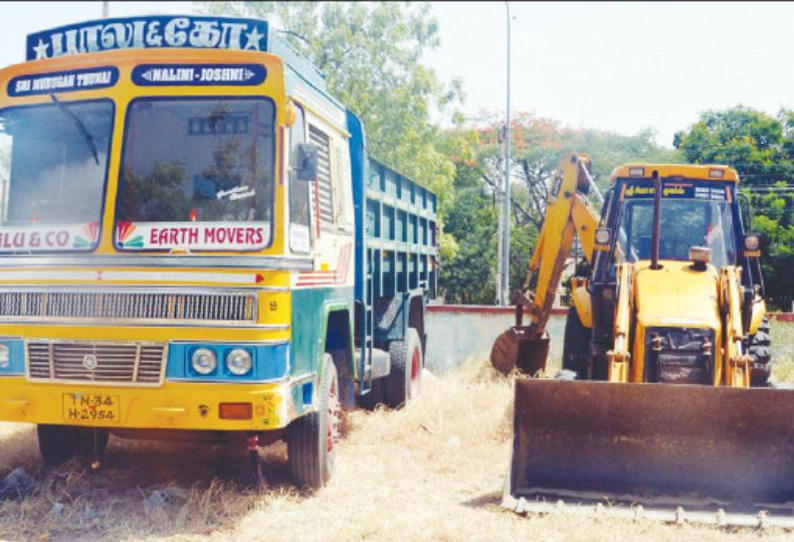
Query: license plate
[91, 407]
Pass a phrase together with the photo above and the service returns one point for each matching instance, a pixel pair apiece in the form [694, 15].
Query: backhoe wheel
[405, 378]
[760, 351]
[60, 443]
[312, 439]
[576, 345]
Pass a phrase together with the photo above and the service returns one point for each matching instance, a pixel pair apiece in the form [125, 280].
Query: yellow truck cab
[195, 243]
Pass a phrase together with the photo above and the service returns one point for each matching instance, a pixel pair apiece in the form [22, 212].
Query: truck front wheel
[405, 378]
[312, 439]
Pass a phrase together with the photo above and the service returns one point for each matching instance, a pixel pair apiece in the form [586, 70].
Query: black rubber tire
[60, 443]
[576, 345]
[761, 352]
[404, 382]
[311, 463]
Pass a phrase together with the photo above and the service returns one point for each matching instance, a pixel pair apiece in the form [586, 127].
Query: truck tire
[576, 345]
[312, 439]
[760, 351]
[60, 443]
[405, 378]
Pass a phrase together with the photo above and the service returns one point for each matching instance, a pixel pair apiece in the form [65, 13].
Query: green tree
[155, 197]
[370, 54]
[761, 148]
[538, 146]
[467, 277]
[758, 145]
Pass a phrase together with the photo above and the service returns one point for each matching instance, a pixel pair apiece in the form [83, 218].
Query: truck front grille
[153, 307]
[96, 362]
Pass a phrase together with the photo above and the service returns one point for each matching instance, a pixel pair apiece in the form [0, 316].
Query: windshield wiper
[89, 140]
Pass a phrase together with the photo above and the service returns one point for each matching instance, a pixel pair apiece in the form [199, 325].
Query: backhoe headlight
[238, 361]
[602, 236]
[204, 361]
[5, 356]
[751, 242]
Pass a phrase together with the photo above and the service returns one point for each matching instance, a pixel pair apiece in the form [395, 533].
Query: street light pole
[505, 268]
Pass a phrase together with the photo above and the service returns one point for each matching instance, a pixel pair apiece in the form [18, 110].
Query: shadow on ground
[488, 500]
[141, 488]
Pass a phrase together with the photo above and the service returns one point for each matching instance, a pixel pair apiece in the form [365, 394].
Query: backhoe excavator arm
[567, 212]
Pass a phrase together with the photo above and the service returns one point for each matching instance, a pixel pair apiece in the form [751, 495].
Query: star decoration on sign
[253, 38]
[41, 49]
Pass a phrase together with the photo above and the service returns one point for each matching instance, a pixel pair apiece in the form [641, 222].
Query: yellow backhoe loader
[666, 338]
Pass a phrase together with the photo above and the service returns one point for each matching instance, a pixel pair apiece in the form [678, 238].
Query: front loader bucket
[521, 347]
[648, 440]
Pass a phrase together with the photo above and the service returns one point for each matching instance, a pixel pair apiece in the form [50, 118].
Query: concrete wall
[457, 333]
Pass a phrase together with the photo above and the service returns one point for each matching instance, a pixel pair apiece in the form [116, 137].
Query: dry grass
[782, 352]
[431, 472]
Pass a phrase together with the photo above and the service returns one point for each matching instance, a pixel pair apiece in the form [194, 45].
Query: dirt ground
[433, 471]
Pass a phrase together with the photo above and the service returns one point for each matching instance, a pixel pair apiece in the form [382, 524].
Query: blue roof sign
[156, 32]
[49, 83]
[203, 74]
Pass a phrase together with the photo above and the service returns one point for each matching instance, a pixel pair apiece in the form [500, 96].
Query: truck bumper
[175, 405]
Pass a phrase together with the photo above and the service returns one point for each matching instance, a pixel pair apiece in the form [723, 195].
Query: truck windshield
[684, 223]
[197, 173]
[52, 181]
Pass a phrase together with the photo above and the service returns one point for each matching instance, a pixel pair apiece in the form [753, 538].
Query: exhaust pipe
[657, 208]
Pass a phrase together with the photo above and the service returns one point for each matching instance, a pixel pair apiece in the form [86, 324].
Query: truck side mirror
[307, 162]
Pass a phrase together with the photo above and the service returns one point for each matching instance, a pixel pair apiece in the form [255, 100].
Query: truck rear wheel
[576, 345]
[760, 351]
[312, 439]
[405, 378]
[60, 443]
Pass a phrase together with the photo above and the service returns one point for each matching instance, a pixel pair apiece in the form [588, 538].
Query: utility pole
[505, 241]
[499, 193]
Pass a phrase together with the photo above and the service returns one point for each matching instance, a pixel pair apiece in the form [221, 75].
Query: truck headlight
[204, 361]
[238, 361]
[5, 356]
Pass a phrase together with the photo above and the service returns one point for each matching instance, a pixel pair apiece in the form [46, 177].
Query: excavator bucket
[664, 443]
[520, 347]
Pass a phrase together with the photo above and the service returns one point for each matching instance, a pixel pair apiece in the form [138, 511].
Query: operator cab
[685, 222]
[698, 210]
[700, 220]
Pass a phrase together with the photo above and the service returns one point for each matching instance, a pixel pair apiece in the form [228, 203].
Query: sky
[619, 66]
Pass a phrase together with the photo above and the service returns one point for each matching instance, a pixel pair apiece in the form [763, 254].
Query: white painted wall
[454, 338]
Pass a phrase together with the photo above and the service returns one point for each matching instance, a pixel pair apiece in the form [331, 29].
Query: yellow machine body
[654, 342]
